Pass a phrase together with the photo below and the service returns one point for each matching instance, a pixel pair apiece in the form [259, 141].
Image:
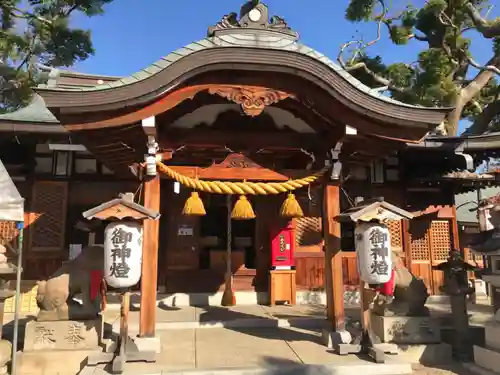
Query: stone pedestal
[488, 357]
[406, 329]
[418, 339]
[63, 335]
[59, 346]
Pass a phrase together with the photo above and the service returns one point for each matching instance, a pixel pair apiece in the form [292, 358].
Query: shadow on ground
[279, 366]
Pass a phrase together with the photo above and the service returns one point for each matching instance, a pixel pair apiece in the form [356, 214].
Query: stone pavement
[252, 350]
[266, 316]
[257, 340]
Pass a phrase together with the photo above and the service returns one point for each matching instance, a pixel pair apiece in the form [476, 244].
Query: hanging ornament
[242, 210]
[291, 207]
[194, 206]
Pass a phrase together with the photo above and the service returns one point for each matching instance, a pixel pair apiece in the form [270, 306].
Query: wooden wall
[54, 207]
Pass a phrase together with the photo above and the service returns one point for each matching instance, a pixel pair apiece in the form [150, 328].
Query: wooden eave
[31, 127]
[121, 208]
[333, 84]
[372, 205]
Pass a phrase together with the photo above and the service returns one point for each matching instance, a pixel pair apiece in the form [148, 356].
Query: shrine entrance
[221, 120]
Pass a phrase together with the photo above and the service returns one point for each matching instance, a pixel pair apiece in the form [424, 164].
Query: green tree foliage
[38, 32]
[445, 73]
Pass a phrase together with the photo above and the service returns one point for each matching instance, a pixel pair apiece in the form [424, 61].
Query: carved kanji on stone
[74, 336]
[44, 335]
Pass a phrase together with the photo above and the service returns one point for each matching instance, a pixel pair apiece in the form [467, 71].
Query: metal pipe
[20, 227]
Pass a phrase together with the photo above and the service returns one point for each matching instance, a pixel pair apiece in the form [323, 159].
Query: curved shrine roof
[252, 42]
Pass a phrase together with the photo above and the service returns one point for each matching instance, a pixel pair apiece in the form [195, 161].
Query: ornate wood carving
[238, 161]
[253, 15]
[253, 100]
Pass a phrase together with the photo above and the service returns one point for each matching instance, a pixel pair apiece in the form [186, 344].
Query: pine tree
[445, 72]
[38, 32]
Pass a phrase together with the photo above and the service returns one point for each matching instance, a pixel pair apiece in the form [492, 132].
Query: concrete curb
[302, 369]
[235, 323]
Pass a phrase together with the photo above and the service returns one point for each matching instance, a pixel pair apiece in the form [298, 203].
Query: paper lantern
[373, 252]
[122, 253]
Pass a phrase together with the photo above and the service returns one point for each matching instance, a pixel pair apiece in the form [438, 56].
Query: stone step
[487, 358]
[333, 369]
[234, 323]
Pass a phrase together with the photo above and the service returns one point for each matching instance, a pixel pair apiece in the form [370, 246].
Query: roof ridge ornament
[254, 16]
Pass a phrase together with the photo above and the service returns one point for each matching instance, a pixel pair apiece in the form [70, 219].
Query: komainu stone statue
[55, 296]
[409, 295]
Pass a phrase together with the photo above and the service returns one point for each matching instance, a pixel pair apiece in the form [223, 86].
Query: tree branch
[480, 80]
[482, 25]
[361, 65]
[483, 120]
[491, 68]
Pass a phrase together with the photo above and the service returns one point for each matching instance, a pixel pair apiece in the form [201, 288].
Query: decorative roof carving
[254, 15]
[253, 100]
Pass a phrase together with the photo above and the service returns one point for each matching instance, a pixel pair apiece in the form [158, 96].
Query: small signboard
[185, 230]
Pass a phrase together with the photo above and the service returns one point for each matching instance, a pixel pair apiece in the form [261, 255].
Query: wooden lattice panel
[474, 258]
[308, 228]
[419, 242]
[49, 207]
[441, 239]
[308, 231]
[395, 229]
[27, 302]
[8, 232]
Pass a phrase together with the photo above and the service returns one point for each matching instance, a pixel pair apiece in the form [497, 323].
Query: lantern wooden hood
[374, 209]
[120, 208]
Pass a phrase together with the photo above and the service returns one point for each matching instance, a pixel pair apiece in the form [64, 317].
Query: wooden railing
[311, 270]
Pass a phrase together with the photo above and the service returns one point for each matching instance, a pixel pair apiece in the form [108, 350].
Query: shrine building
[252, 108]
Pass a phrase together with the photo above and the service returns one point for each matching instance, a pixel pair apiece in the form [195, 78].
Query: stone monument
[399, 316]
[5, 292]
[64, 328]
[456, 285]
[488, 357]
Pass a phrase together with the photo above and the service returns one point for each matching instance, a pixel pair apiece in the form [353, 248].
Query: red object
[95, 283]
[282, 247]
[387, 289]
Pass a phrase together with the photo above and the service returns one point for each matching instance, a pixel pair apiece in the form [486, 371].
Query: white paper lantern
[122, 253]
[373, 252]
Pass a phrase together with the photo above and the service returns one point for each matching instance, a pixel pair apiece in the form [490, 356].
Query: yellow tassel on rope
[194, 206]
[242, 210]
[291, 207]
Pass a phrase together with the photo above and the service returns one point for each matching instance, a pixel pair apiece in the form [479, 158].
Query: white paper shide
[122, 253]
[373, 252]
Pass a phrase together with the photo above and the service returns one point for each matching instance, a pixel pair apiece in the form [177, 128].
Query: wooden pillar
[334, 283]
[406, 243]
[149, 278]
[455, 231]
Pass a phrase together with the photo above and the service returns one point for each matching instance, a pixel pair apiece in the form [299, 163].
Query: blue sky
[129, 36]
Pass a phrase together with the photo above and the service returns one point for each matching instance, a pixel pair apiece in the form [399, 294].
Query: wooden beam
[149, 280]
[334, 283]
[149, 126]
[249, 174]
[256, 140]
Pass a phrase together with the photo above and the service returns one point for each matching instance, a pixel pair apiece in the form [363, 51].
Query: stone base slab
[52, 362]
[148, 344]
[406, 330]
[331, 339]
[487, 358]
[492, 335]
[478, 369]
[63, 335]
[426, 354]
